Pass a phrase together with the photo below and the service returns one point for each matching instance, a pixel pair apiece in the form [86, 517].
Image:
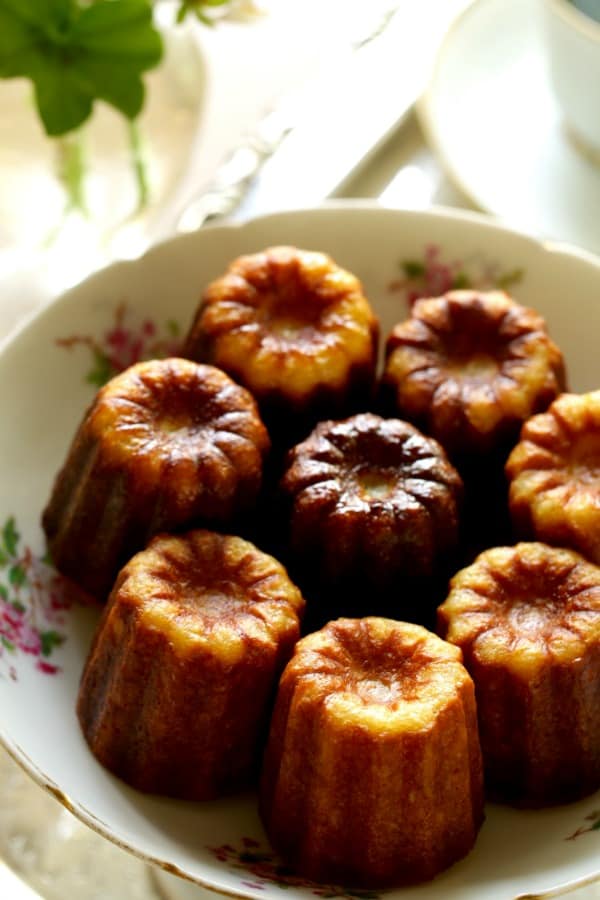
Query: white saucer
[490, 114]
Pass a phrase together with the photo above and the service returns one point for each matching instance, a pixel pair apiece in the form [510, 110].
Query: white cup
[573, 41]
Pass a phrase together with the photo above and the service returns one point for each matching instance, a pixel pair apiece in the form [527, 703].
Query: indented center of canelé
[380, 663]
[374, 483]
[387, 682]
[534, 616]
[290, 313]
[214, 604]
[472, 365]
[584, 459]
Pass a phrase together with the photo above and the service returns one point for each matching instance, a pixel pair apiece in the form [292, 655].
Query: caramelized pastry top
[186, 425]
[285, 320]
[374, 487]
[524, 607]
[555, 475]
[376, 673]
[469, 367]
[211, 592]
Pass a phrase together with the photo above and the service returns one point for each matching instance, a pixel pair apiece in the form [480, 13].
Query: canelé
[469, 368]
[527, 619]
[371, 498]
[296, 330]
[372, 774]
[177, 689]
[165, 444]
[554, 474]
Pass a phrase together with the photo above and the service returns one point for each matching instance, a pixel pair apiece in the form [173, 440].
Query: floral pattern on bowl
[34, 603]
[431, 275]
[127, 340]
[262, 863]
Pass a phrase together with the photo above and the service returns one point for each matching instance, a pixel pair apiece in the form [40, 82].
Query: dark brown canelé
[165, 444]
[470, 367]
[527, 619]
[371, 499]
[296, 330]
[176, 692]
[372, 774]
[554, 474]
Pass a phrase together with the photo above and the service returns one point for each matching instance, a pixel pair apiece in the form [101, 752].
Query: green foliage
[202, 9]
[76, 53]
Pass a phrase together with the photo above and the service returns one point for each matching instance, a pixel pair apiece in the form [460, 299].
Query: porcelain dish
[48, 373]
[491, 115]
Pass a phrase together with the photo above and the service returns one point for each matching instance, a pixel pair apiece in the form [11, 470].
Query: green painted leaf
[3, 558]
[11, 536]
[3, 592]
[49, 640]
[102, 371]
[413, 268]
[18, 606]
[8, 644]
[461, 280]
[17, 576]
[513, 276]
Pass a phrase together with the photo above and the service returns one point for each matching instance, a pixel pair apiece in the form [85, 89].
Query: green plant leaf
[62, 100]
[3, 592]
[76, 53]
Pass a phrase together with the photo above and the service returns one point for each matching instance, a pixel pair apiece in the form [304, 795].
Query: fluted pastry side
[165, 444]
[176, 691]
[527, 619]
[372, 774]
[371, 498]
[554, 474]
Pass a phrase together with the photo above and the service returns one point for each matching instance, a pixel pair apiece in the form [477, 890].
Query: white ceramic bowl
[48, 372]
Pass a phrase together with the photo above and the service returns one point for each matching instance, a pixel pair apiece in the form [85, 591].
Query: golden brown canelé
[554, 474]
[527, 619]
[371, 498]
[176, 692]
[469, 368]
[372, 774]
[295, 329]
[165, 444]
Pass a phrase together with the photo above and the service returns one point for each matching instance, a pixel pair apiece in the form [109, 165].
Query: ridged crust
[176, 690]
[372, 774]
[554, 475]
[470, 367]
[527, 619]
[294, 328]
[164, 444]
[371, 497]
